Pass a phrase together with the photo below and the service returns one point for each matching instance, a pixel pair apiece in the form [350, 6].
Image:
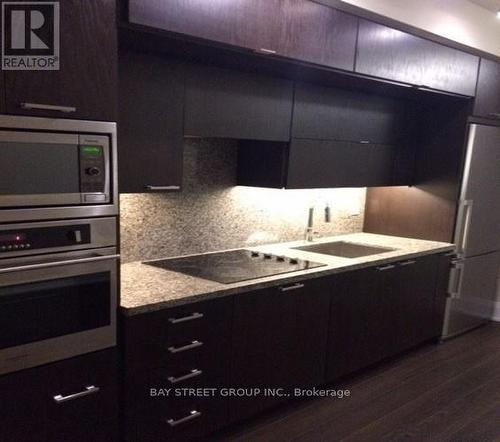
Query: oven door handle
[66, 262]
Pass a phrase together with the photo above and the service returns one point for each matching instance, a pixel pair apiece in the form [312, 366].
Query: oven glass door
[55, 309]
[47, 309]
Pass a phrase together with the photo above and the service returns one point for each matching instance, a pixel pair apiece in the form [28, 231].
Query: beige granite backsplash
[212, 213]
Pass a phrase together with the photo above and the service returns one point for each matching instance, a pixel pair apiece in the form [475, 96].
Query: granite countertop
[145, 288]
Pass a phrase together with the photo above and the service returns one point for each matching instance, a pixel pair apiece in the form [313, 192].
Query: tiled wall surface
[212, 213]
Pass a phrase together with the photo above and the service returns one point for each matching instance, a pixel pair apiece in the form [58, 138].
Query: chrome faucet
[309, 235]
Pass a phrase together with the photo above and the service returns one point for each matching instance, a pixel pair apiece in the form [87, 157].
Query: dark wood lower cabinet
[31, 413]
[168, 356]
[279, 342]
[264, 344]
[381, 311]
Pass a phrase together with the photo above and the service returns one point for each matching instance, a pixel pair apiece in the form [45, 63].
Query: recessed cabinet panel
[315, 163]
[223, 103]
[394, 55]
[150, 123]
[85, 84]
[338, 114]
[487, 102]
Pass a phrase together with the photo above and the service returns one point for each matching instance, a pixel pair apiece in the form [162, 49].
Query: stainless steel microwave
[55, 168]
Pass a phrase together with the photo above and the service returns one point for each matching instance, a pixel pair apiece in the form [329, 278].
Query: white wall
[458, 20]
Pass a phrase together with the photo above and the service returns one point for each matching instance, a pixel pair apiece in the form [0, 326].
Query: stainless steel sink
[344, 249]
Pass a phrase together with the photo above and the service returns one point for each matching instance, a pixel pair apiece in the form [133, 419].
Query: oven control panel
[37, 238]
[92, 169]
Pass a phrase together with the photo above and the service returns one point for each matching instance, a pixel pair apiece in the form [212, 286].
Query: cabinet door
[487, 102]
[316, 163]
[318, 34]
[86, 81]
[244, 23]
[279, 341]
[230, 104]
[338, 114]
[150, 123]
[394, 55]
[413, 284]
[356, 315]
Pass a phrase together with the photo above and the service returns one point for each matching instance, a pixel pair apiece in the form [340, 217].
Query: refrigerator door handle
[456, 278]
[463, 222]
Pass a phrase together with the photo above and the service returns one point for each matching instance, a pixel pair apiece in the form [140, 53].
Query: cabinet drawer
[83, 388]
[157, 390]
[62, 401]
[183, 421]
[177, 334]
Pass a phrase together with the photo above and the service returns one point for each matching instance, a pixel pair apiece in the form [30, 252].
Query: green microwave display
[91, 150]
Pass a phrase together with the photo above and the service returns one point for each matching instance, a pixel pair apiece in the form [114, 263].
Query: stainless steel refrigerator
[473, 279]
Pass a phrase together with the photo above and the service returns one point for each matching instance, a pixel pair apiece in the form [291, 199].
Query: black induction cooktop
[234, 265]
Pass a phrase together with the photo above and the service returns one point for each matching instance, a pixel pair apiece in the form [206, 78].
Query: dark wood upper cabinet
[244, 23]
[297, 29]
[150, 123]
[86, 81]
[327, 113]
[318, 34]
[394, 55]
[320, 163]
[340, 138]
[223, 103]
[487, 103]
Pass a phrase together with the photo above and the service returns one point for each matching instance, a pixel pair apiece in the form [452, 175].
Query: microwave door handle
[46, 265]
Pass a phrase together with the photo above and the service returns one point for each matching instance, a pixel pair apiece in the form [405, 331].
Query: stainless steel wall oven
[58, 290]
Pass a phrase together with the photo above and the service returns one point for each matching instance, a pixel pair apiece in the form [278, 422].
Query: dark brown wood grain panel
[279, 341]
[487, 103]
[232, 104]
[391, 54]
[244, 23]
[427, 210]
[150, 122]
[317, 34]
[88, 67]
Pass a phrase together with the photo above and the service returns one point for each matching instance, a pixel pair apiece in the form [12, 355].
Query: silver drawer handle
[292, 287]
[407, 263]
[192, 415]
[265, 51]
[494, 114]
[163, 187]
[91, 389]
[193, 344]
[51, 107]
[192, 317]
[192, 374]
[387, 267]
